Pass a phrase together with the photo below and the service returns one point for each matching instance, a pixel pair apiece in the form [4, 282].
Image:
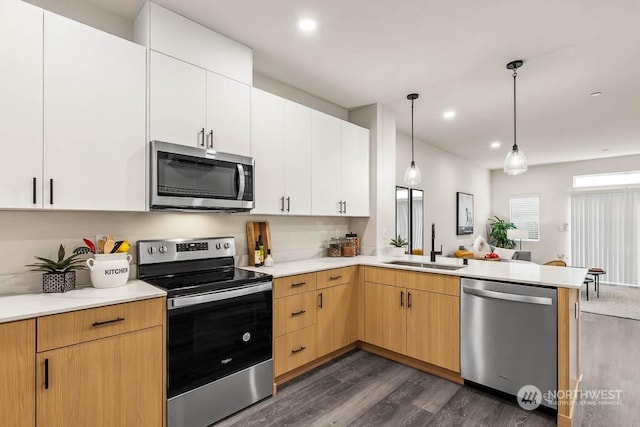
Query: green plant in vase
[498, 233]
[60, 274]
[398, 244]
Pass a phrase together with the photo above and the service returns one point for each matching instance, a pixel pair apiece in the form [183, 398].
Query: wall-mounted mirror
[410, 218]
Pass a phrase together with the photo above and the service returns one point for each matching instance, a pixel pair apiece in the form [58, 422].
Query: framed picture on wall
[464, 209]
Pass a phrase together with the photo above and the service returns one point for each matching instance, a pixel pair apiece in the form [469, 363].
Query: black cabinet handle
[299, 349]
[34, 190]
[320, 300]
[408, 299]
[401, 299]
[106, 322]
[288, 204]
[335, 277]
[51, 191]
[46, 374]
[282, 204]
[345, 206]
[296, 285]
[298, 313]
[210, 138]
[202, 140]
[340, 209]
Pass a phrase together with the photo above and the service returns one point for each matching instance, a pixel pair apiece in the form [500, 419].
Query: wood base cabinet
[336, 324]
[385, 317]
[17, 376]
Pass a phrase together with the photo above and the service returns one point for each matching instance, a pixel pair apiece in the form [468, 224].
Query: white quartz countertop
[29, 305]
[517, 272]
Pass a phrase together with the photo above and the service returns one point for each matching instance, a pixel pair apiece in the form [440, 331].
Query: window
[525, 215]
[409, 216]
[612, 180]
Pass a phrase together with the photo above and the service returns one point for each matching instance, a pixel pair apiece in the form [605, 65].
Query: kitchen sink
[426, 265]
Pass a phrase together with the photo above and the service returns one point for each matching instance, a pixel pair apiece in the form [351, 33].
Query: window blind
[525, 215]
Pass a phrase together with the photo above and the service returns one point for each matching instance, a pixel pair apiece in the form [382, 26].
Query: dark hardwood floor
[361, 389]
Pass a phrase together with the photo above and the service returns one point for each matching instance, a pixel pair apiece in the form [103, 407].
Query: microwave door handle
[241, 181]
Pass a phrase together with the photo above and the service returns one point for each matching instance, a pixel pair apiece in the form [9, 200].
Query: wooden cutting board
[255, 229]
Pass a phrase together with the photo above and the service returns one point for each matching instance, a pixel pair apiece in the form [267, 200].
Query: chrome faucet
[433, 243]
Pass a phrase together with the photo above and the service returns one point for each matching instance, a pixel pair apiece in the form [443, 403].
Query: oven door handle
[180, 302]
[241, 181]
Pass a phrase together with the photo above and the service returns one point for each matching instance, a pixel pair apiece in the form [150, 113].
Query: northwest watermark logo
[529, 397]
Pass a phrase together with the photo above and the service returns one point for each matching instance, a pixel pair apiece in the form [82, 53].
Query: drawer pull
[335, 277]
[46, 374]
[106, 322]
[296, 285]
[298, 313]
[298, 350]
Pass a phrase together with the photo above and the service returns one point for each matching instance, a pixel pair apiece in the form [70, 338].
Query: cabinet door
[177, 101]
[94, 118]
[385, 316]
[297, 158]
[228, 114]
[114, 381]
[433, 329]
[17, 374]
[336, 318]
[355, 169]
[267, 147]
[325, 164]
[20, 105]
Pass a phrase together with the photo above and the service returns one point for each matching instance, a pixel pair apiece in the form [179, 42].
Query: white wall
[89, 14]
[444, 174]
[553, 183]
[24, 234]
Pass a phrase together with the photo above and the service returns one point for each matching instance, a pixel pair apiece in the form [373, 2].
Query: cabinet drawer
[336, 276]
[294, 350]
[385, 276]
[293, 285]
[438, 283]
[60, 330]
[294, 312]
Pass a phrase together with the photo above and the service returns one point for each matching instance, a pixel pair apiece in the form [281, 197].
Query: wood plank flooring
[361, 389]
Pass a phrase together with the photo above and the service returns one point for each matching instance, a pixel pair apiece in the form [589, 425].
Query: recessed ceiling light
[307, 25]
[495, 144]
[449, 114]
[595, 94]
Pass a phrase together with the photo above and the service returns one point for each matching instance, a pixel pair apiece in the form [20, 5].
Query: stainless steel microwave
[193, 178]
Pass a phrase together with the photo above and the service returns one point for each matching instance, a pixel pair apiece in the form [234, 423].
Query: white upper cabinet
[267, 148]
[20, 105]
[281, 146]
[228, 115]
[340, 167]
[94, 118]
[165, 31]
[355, 169]
[325, 164]
[177, 101]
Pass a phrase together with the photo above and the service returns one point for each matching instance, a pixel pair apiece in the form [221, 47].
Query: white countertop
[29, 305]
[518, 272]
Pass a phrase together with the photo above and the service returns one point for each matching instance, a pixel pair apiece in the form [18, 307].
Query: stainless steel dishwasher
[509, 336]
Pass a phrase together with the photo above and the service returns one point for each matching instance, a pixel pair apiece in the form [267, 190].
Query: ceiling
[453, 53]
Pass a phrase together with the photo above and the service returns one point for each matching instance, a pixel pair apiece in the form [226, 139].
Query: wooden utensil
[108, 245]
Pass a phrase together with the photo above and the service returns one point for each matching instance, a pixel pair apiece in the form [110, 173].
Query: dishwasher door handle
[508, 297]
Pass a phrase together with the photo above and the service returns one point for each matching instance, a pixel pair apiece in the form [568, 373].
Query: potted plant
[60, 275]
[498, 233]
[398, 244]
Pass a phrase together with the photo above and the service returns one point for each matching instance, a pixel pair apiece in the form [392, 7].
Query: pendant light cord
[412, 149]
[515, 144]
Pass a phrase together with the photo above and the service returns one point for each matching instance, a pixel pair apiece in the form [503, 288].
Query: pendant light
[412, 176]
[515, 163]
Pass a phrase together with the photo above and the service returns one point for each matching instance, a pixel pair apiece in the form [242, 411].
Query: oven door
[211, 336]
[185, 177]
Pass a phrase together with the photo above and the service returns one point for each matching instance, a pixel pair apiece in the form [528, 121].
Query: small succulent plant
[62, 265]
[398, 242]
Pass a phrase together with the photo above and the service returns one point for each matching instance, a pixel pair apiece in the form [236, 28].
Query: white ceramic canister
[109, 270]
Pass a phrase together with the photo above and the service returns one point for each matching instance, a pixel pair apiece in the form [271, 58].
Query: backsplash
[24, 234]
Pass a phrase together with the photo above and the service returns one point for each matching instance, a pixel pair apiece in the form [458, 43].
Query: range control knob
[227, 245]
[163, 249]
[152, 250]
[218, 245]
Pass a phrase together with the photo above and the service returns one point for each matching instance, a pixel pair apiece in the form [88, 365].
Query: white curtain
[418, 221]
[605, 233]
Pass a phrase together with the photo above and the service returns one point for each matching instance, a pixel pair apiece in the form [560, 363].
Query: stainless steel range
[219, 328]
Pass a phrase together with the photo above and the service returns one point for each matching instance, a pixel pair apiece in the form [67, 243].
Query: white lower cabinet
[94, 118]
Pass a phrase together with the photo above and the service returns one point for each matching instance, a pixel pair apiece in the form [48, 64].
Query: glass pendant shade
[412, 175]
[515, 163]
